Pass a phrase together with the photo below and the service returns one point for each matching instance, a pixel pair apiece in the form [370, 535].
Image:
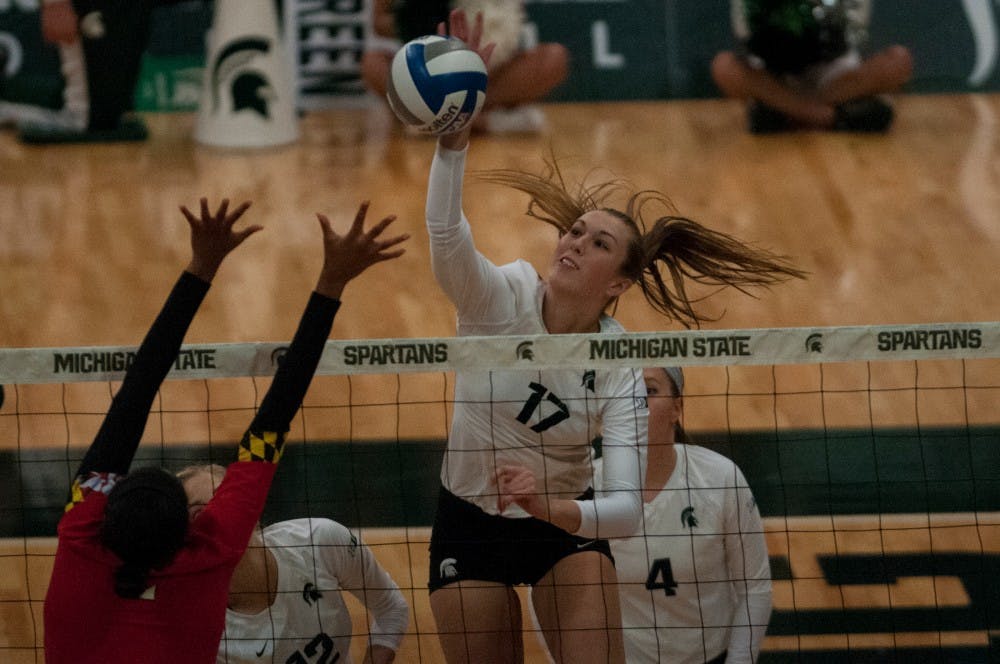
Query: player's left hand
[346, 256]
[213, 236]
[458, 27]
[516, 485]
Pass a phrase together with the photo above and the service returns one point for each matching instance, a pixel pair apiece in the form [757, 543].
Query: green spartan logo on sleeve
[688, 519]
[248, 87]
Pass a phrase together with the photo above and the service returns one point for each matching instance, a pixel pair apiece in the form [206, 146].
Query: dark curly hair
[145, 524]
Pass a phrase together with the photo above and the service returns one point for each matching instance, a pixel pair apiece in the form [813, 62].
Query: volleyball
[436, 84]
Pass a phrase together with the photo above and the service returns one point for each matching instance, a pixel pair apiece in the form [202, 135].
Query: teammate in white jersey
[516, 504]
[694, 580]
[285, 601]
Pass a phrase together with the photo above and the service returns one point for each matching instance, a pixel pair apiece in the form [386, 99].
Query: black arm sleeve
[120, 433]
[296, 369]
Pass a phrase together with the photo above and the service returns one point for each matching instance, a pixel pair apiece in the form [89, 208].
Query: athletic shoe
[762, 119]
[526, 119]
[867, 114]
[128, 130]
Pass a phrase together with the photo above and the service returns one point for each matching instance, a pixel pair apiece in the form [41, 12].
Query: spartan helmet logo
[249, 88]
[278, 355]
[814, 343]
[524, 351]
[251, 91]
[311, 594]
[448, 569]
[688, 519]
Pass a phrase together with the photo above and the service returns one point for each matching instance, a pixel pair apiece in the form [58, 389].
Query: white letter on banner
[984, 34]
[23, 5]
[15, 53]
[603, 57]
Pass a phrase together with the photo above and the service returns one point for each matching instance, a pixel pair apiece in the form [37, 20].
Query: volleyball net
[873, 454]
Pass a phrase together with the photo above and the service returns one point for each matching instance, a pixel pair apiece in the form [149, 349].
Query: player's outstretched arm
[213, 237]
[241, 496]
[344, 258]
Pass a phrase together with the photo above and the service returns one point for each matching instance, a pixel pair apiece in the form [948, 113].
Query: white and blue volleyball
[437, 84]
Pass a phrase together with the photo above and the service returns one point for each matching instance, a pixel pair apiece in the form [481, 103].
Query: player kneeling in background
[799, 65]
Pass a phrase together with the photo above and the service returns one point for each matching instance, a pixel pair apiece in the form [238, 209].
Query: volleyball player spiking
[516, 505]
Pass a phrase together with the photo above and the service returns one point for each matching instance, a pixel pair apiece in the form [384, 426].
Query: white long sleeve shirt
[544, 420]
[694, 579]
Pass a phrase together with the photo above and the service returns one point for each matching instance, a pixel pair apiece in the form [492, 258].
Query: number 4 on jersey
[661, 570]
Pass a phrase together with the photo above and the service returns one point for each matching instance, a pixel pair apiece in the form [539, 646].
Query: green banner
[33, 75]
[620, 49]
[793, 473]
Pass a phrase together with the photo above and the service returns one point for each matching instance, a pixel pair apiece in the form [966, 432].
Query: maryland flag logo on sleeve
[267, 447]
[83, 486]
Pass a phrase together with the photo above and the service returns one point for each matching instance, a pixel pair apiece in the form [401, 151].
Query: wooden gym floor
[900, 228]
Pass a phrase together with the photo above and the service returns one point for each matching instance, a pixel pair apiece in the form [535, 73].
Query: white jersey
[543, 420]
[695, 581]
[317, 559]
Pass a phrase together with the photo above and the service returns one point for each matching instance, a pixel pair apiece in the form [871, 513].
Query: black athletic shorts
[469, 544]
